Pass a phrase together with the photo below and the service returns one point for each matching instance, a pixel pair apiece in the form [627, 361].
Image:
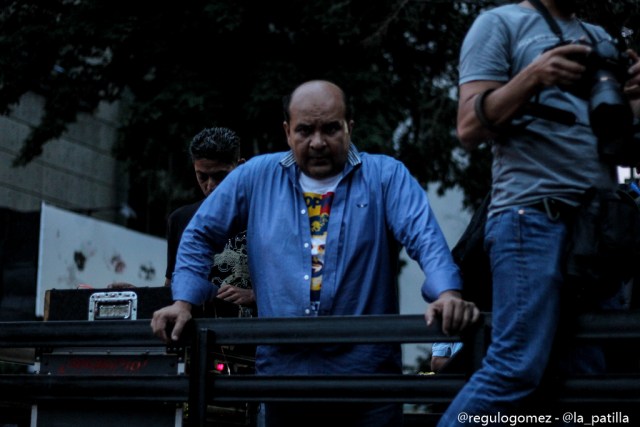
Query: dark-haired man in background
[214, 152]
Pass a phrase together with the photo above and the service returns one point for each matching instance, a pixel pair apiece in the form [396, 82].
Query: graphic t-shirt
[318, 195]
[231, 266]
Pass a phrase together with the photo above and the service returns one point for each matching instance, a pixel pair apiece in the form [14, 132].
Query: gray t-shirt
[545, 159]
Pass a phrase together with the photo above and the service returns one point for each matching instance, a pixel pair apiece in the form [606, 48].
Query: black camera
[610, 114]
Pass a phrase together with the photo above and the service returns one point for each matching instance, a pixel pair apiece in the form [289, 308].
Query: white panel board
[79, 250]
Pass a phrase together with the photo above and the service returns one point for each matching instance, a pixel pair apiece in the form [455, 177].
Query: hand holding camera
[632, 87]
[610, 77]
[562, 65]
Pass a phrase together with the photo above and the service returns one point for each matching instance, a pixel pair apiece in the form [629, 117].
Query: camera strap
[540, 7]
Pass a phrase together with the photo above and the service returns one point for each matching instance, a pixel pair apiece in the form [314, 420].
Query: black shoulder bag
[603, 246]
[473, 261]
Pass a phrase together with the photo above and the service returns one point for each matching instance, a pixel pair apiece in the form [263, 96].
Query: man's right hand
[178, 314]
[560, 65]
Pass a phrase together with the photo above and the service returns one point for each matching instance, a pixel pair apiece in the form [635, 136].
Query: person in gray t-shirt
[511, 58]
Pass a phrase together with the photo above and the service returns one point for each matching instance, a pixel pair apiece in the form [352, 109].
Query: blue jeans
[525, 248]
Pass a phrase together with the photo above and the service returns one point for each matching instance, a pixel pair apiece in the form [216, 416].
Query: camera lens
[609, 111]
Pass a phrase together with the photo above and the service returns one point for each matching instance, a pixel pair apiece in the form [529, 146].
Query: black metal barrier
[199, 387]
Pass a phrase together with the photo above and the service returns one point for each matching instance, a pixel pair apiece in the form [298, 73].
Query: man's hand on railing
[456, 313]
[177, 314]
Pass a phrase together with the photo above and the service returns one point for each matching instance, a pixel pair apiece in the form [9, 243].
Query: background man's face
[210, 173]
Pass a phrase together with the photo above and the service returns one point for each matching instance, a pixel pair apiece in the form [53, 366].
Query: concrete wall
[75, 172]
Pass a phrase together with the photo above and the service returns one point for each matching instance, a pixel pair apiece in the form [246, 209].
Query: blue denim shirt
[377, 204]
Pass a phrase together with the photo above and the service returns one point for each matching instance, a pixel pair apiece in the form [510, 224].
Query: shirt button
[307, 311]
[306, 277]
[306, 245]
[303, 211]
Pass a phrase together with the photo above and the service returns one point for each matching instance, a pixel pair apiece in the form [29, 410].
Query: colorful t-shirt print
[319, 208]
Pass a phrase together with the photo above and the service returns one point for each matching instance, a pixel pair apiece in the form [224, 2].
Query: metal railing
[199, 387]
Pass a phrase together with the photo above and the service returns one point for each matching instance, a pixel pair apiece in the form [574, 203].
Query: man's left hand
[632, 86]
[456, 313]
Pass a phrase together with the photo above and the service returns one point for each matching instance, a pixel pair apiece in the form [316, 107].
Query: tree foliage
[180, 68]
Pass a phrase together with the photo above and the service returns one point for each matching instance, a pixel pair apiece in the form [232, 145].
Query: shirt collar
[353, 158]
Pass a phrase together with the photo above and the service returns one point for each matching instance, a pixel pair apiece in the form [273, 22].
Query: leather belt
[555, 209]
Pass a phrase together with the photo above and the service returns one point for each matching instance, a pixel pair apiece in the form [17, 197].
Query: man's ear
[285, 126]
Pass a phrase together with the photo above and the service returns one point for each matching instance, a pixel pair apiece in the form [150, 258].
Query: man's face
[210, 173]
[567, 7]
[318, 133]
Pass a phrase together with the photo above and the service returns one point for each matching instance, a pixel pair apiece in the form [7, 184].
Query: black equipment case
[131, 304]
[107, 304]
